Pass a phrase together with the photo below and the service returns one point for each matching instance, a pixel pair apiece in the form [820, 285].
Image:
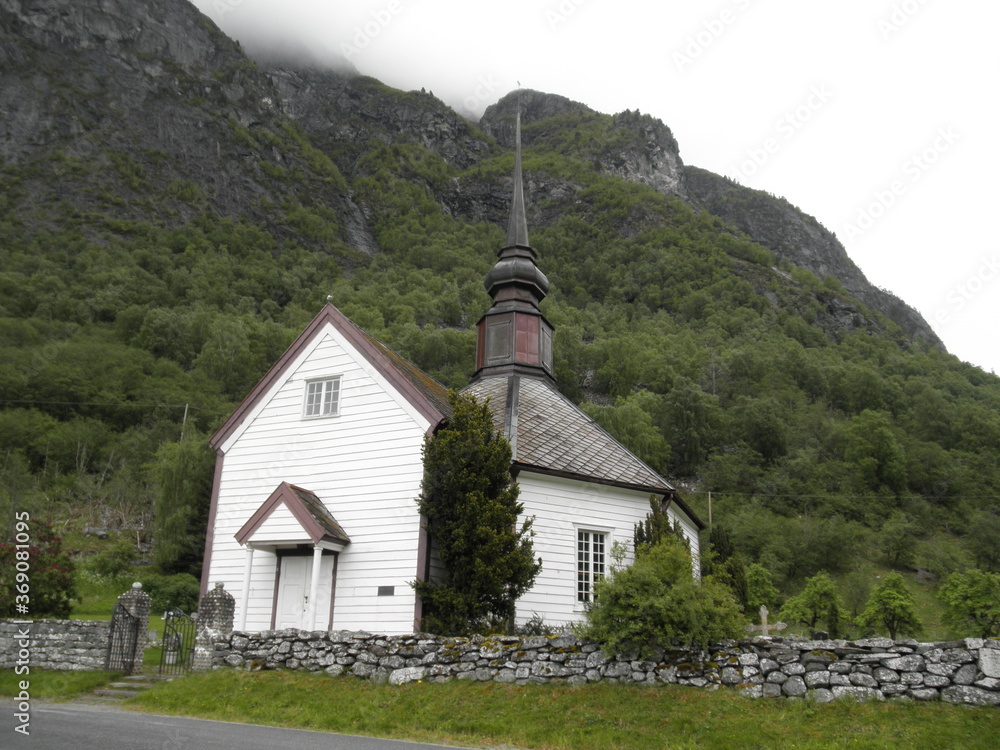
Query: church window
[590, 549]
[322, 398]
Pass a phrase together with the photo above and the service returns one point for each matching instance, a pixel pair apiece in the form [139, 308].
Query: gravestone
[764, 628]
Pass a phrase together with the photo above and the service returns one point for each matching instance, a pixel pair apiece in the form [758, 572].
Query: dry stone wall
[966, 671]
[54, 644]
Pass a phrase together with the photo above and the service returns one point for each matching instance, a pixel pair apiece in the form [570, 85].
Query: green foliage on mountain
[157, 256]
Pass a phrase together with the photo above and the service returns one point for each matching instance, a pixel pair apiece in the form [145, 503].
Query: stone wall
[54, 644]
[965, 671]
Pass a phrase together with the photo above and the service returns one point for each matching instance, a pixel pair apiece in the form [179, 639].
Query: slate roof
[333, 530]
[423, 383]
[548, 432]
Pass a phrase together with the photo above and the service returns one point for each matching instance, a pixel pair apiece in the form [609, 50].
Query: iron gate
[123, 640]
[179, 630]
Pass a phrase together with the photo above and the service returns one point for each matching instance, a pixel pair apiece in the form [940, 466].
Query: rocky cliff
[145, 110]
[793, 235]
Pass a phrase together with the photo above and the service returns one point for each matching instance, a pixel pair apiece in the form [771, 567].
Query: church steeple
[517, 227]
[513, 335]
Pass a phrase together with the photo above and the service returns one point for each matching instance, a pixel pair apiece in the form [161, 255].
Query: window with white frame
[322, 398]
[590, 550]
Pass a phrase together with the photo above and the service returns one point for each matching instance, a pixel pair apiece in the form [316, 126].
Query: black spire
[513, 334]
[517, 227]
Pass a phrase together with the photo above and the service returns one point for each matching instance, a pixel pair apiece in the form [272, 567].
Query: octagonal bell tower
[513, 335]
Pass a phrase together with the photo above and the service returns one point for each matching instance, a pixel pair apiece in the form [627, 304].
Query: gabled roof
[550, 435]
[316, 521]
[427, 396]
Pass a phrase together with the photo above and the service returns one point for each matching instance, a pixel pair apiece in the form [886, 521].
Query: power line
[125, 404]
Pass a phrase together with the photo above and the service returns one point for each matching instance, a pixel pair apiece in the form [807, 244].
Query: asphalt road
[77, 726]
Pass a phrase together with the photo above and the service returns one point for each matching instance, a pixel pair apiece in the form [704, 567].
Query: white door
[293, 594]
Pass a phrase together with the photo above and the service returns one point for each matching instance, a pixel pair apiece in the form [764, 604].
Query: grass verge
[54, 685]
[557, 717]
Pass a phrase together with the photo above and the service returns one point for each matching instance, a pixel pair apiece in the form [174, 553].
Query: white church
[313, 521]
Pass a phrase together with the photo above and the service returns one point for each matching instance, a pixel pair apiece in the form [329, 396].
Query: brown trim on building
[653, 490]
[283, 493]
[376, 354]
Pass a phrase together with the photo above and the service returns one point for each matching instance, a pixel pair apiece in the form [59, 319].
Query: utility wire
[126, 404]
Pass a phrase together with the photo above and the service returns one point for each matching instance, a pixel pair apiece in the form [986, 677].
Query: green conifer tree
[471, 509]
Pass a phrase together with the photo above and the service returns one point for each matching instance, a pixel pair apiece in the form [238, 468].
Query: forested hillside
[172, 215]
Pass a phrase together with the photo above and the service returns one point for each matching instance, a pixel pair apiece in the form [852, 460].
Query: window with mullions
[590, 547]
[322, 398]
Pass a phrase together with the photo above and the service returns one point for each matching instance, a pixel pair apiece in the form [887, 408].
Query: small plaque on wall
[386, 590]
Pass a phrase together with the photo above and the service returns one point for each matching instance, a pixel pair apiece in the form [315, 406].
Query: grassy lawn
[54, 685]
[594, 716]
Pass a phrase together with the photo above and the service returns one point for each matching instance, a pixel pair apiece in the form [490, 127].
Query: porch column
[314, 575]
[247, 568]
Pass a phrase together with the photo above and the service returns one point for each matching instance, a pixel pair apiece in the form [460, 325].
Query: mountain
[173, 212]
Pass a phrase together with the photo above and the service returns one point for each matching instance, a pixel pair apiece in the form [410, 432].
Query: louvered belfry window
[322, 398]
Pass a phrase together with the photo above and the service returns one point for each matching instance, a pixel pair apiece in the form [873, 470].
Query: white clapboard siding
[364, 464]
[560, 508]
[280, 526]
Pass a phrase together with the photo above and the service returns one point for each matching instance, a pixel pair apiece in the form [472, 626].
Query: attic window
[322, 398]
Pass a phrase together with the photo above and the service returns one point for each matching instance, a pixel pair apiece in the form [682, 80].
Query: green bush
[179, 590]
[656, 604]
[114, 560]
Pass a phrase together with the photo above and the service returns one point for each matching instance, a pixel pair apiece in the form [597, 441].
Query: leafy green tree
[691, 418]
[49, 578]
[760, 589]
[183, 472]
[898, 541]
[892, 608]
[857, 586]
[984, 540]
[876, 454]
[972, 601]
[633, 426]
[470, 505]
[656, 603]
[819, 601]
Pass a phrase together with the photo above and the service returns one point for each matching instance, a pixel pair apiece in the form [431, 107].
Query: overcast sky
[878, 117]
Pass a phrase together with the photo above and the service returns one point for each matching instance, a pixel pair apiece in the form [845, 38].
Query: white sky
[878, 117]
